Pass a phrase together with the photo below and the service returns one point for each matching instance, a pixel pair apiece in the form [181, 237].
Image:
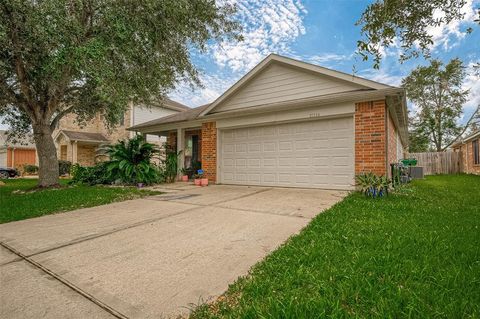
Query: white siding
[142, 114]
[279, 83]
[310, 154]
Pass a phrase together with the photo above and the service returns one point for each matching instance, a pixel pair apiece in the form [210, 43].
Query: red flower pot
[197, 181]
[184, 178]
[204, 181]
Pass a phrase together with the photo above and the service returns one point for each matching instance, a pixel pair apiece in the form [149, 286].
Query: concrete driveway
[147, 258]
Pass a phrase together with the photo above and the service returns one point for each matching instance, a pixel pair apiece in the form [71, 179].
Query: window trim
[476, 148]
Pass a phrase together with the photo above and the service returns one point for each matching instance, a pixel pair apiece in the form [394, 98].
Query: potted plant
[204, 181]
[184, 172]
[197, 179]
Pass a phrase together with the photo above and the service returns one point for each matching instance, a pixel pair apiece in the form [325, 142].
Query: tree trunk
[47, 155]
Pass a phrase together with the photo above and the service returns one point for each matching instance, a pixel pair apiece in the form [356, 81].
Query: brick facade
[467, 165]
[370, 137]
[172, 140]
[209, 150]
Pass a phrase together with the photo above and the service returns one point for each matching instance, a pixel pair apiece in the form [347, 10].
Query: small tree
[436, 91]
[94, 56]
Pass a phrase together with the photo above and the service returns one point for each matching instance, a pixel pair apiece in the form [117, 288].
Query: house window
[122, 119]
[476, 152]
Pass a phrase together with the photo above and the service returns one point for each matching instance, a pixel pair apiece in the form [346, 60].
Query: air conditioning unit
[416, 172]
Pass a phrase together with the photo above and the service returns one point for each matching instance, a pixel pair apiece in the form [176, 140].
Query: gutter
[352, 96]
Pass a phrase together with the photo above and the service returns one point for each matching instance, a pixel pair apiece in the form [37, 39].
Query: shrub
[30, 169]
[373, 185]
[93, 175]
[130, 161]
[64, 167]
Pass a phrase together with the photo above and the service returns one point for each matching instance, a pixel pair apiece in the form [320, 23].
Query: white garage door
[312, 154]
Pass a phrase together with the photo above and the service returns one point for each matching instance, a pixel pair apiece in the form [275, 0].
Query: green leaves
[130, 161]
[386, 22]
[91, 57]
[436, 90]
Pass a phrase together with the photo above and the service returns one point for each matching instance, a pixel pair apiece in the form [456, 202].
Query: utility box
[416, 172]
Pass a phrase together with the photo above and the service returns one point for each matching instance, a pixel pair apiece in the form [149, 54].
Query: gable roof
[83, 136]
[189, 115]
[274, 58]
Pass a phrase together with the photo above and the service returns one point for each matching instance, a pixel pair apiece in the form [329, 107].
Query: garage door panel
[306, 154]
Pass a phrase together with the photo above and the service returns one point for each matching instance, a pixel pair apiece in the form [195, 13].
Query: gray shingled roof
[85, 136]
[189, 115]
[171, 104]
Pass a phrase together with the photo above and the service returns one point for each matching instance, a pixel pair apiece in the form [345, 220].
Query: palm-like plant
[130, 160]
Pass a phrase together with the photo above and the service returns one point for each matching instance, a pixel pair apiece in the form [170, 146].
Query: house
[469, 148]
[292, 124]
[78, 144]
[17, 154]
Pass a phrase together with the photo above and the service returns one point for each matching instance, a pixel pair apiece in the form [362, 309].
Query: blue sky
[322, 32]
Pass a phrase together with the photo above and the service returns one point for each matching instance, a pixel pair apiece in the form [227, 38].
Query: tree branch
[467, 125]
[59, 116]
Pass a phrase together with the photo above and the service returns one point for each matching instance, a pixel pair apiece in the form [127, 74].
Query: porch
[196, 146]
[79, 147]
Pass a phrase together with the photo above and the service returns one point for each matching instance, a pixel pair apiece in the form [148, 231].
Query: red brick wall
[392, 143]
[467, 159]
[209, 150]
[370, 137]
[172, 141]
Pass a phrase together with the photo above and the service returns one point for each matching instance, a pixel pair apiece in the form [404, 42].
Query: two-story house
[78, 144]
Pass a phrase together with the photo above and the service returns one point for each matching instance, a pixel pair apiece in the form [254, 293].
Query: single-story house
[292, 124]
[18, 154]
[469, 147]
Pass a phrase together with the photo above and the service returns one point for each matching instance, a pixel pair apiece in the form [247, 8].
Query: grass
[413, 254]
[19, 200]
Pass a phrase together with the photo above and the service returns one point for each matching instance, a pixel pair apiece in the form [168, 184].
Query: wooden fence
[438, 162]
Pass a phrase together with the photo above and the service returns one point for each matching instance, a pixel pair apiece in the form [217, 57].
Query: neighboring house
[78, 144]
[17, 154]
[293, 124]
[470, 153]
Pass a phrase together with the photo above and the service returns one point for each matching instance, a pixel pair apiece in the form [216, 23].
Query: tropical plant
[373, 185]
[130, 161]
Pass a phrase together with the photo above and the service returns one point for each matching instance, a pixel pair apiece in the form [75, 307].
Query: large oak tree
[94, 56]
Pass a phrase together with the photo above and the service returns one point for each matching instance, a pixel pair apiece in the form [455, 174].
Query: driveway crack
[67, 283]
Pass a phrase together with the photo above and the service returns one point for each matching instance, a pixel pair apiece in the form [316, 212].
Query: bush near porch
[412, 254]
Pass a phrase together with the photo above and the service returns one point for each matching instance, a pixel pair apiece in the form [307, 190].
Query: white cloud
[472, 83]
[214, 86]
[447, 36]
[268, 26]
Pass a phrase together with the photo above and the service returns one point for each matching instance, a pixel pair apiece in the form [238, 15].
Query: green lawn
[413, 254]
[18, 200]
